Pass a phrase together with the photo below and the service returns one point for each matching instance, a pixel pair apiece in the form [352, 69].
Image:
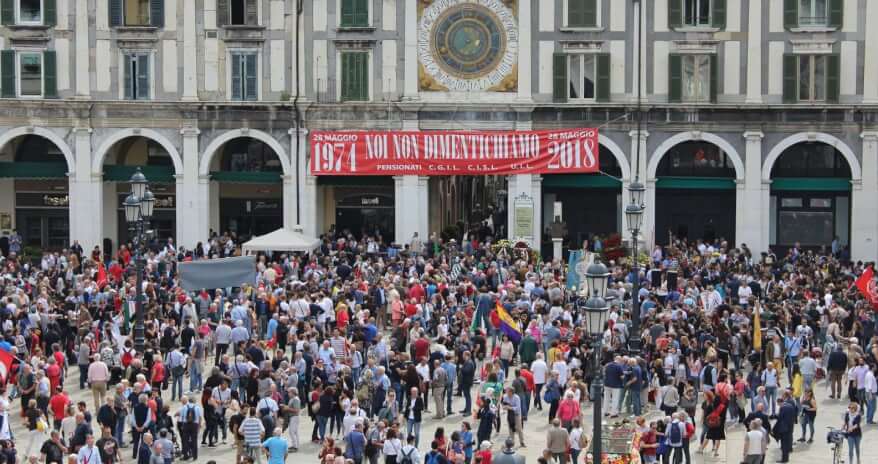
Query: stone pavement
[829, 413]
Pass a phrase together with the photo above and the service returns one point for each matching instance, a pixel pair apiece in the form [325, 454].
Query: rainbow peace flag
[508, 325]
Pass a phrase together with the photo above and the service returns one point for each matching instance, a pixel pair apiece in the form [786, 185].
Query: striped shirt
[252, 430]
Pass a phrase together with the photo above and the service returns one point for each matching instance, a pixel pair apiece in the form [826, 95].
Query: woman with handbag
[809, 414]
[552, 395]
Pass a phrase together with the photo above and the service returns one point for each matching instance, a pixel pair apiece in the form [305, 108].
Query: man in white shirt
[352, 417]
[539, 369]
[754, 443]
[89, 454]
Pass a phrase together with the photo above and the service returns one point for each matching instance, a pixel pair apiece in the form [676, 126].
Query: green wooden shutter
[790, 13]
[251, 13]
[832, 78]
[157, 13]
[602, 90]
[347, 13]
[222, 13]
[115, 12]
[50, 13]
[719, 14]
[575, 13]
[251, 77]
[836, 13]
[675, 13]
[790, 81]
[590, 14]
[362, 69]
[354, 76]
[559, 77]
[675, 78]
[7, 12]
[127, 76]
[714, 80]
[7, 73]
[142, 77]
[50, 75]
[361, 13]
[236, 77]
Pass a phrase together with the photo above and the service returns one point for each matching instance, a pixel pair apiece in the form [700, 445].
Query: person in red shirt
[58, 404]
[53, 372]
[341, 317]
[649, 443]
[422, 347]
[411, 309]
[416, 291]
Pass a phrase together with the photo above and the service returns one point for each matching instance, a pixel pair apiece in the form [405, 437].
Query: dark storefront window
[249, 218]
[696, 159]
[249, 155]
[811, 218]
[809, 159]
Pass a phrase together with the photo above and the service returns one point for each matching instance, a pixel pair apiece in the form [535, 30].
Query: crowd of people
[353, 346]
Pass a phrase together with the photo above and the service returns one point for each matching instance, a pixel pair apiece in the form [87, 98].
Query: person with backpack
[409, 453]
[189, 419]
[434, 456]
[355, 444]
[676, 433]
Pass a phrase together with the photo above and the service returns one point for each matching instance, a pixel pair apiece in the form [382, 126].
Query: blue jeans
[83, 376]
[195, 379]
[807, 422]
[870, 408]
[176, 386]
[413, 428]
[634, 397]
[854, 445]
[771, 396]
[119, 433]
[321, 426]
[449, 394]
[467, 398]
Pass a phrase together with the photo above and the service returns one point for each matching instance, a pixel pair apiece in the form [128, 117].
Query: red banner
[453, 153]
[867, 286]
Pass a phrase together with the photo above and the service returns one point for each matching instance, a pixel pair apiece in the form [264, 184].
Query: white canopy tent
[282, 240]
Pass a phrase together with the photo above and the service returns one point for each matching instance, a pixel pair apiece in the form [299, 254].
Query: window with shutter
[675, 13]
[136, 76]
[244, 76]
[222, 12]
[237, 12]
[30, 12]
[50, 75]
[813, 78]
[790, 13]
[30, 74]
[697, 13]
[7, 73]
[355, 76]
[718, 15]
[136, 12]
[115, 12]
[582, 13]
[603, 82]
[559, 77]
[832, 78]
[790, 78]
[236, 76]
[675, 78]
[354, 13]
[813, 12]
[836, 13]
[50, 12]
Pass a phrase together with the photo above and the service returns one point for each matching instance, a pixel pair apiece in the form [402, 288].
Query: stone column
[306, 185]
[864, 207]
[86, 195]
[289, 196]
[751, 219]
[410, 54]
[190, 53]
[192, 205]
[754, 53]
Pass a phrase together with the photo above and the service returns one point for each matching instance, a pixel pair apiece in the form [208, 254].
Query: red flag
[102, 276]
[867, 286]
[5, 364]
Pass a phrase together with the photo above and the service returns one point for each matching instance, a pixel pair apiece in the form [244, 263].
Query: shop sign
[365, 201]
[42, 200]
[161, 201]
[438, 153]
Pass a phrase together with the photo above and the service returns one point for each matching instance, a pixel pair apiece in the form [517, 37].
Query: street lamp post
[595, 309]
[634, 213]
[138, 211]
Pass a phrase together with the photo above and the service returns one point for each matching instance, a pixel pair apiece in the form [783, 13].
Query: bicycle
[835, 438]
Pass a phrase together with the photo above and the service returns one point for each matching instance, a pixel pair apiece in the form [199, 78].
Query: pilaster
[751, 220]
[191, 201]
[864, 208]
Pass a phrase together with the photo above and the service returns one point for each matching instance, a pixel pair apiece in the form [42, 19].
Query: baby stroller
[164, 423]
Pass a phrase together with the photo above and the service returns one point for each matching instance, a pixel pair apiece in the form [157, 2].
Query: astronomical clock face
[468, 45]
